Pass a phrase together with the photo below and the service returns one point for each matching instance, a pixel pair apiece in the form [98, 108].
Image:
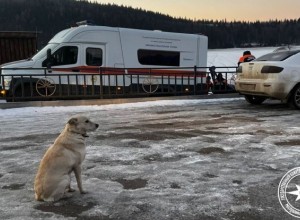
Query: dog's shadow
[68, 207]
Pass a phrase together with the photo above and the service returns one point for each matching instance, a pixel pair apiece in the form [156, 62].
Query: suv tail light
[271, 69]
[239, 69]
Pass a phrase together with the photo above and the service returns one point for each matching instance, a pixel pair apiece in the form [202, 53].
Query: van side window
[63, 56]
[159, 58]
[94, 57]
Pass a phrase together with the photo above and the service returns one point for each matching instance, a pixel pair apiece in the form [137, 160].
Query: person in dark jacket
[247, 57]
[213, 73]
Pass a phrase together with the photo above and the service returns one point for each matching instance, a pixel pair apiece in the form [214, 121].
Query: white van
[85, 49]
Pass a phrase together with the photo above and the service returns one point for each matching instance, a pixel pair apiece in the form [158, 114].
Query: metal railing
[23, 84]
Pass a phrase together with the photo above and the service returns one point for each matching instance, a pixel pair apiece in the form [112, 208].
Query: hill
[52, 16]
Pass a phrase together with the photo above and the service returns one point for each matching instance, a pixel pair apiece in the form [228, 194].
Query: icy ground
[186, 159]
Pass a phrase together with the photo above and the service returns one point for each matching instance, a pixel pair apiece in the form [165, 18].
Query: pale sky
[239, 10]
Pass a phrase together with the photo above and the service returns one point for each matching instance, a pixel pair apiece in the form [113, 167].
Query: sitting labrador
[65, 156]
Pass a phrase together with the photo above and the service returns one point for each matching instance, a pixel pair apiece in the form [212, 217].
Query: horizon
[235, 10]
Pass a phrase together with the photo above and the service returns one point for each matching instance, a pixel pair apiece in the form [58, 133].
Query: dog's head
[81, 125]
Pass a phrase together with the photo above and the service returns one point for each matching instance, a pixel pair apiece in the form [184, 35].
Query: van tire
[16, 94]
[294, 100]
[28, 95]
[255, 100]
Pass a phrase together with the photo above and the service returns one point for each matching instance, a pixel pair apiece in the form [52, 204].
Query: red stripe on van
[137, 71]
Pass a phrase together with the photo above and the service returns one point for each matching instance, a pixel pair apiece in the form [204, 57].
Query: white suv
[275, 75]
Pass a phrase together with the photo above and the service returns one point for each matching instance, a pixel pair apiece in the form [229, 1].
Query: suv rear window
[278, 56]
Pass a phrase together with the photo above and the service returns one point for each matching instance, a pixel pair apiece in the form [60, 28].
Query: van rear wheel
[294, 100]
[255, 100]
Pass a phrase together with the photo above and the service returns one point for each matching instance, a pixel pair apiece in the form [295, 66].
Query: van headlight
[6, 82]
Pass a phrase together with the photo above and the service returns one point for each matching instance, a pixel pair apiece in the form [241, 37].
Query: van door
[94, 55]
[65, 57]
[93, 59]
[65, 64]
[73, 66]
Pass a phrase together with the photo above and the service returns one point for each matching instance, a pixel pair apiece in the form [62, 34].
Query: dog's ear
[73, 121]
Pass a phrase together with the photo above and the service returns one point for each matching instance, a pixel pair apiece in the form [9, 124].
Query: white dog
[64, 156]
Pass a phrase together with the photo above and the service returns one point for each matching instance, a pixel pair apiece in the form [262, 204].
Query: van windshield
[43, 52]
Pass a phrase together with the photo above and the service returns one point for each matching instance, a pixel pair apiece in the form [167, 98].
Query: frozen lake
[229, 57]
[172, 159]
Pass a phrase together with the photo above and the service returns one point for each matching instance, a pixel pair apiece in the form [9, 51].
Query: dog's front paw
[71, 190]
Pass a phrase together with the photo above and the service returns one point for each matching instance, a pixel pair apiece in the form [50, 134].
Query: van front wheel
[21, 93]
[255, 100]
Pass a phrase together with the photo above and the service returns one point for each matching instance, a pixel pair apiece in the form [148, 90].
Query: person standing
[247, 57]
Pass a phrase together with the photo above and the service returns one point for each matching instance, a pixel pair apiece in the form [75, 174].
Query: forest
[47, 17]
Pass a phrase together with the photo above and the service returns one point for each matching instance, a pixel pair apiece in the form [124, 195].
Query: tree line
[47, 17]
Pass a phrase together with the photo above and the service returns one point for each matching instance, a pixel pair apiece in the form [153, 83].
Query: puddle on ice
[160, 158]
[132, 184]
[288, 143]
[14, 186]
[211, 150]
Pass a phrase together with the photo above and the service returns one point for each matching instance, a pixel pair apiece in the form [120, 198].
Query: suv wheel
[294, 100]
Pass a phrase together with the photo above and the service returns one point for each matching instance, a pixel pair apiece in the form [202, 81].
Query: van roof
[68, 34]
